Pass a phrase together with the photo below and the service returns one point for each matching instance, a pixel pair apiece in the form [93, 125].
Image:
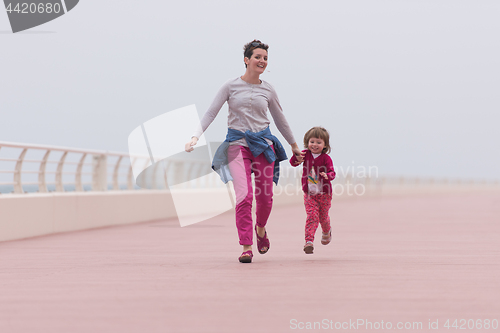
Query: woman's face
[258, 61]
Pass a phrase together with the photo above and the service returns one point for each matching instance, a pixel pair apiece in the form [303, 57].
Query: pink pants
[317, 207]
[241, 164]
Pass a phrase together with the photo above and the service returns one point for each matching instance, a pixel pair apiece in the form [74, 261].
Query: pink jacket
[323, 163]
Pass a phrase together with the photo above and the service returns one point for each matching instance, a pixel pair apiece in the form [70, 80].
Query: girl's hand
[190, 144]
[299, 155]
[324, 175]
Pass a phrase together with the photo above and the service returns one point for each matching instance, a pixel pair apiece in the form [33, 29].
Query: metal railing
[62, 169]
[43, 168]
[70, 169]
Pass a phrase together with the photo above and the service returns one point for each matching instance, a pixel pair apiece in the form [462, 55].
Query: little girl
[316, 184]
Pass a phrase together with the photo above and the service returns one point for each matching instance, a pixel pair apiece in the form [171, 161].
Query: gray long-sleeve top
[248, 104]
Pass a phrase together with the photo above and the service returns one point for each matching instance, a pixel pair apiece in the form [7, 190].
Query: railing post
[155, 184]
[18, 186]
[42, 185]
[99, 173]
[130, 175]
[115, 174]
[60, 165]
[78, 174]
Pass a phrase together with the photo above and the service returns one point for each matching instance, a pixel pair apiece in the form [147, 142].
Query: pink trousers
[241, 165]
[317, 207]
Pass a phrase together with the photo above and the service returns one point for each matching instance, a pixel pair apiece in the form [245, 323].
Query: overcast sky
[411, 87]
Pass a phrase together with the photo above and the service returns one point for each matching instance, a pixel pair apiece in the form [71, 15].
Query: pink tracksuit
[317, 204]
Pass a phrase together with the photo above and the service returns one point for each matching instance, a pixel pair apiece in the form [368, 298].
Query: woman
[249, 145]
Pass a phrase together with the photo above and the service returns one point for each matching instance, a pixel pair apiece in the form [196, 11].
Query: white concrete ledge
[29, 215]
[38, 214]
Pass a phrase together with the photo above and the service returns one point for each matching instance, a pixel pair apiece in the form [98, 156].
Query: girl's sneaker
[309, 247]
[326, 238]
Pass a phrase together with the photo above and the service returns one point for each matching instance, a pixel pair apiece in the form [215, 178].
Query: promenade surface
[393, 259]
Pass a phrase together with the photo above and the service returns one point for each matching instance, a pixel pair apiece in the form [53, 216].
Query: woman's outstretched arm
[209, 116]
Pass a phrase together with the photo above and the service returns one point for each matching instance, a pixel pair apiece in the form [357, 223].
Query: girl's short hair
[320, 133]
[249, 47]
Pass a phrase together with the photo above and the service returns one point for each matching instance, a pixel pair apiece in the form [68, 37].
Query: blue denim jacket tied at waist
[257, 145]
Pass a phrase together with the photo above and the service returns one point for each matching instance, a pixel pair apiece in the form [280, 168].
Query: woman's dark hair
[249, 47]
[320, 133]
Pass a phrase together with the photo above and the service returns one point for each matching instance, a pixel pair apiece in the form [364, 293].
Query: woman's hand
[190, 144]
[324, 175]
[299, 155]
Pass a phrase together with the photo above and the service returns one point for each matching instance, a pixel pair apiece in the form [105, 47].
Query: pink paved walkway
[408, 259]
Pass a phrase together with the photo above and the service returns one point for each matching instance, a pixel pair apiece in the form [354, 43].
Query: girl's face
[316, 145]
[258, 61]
